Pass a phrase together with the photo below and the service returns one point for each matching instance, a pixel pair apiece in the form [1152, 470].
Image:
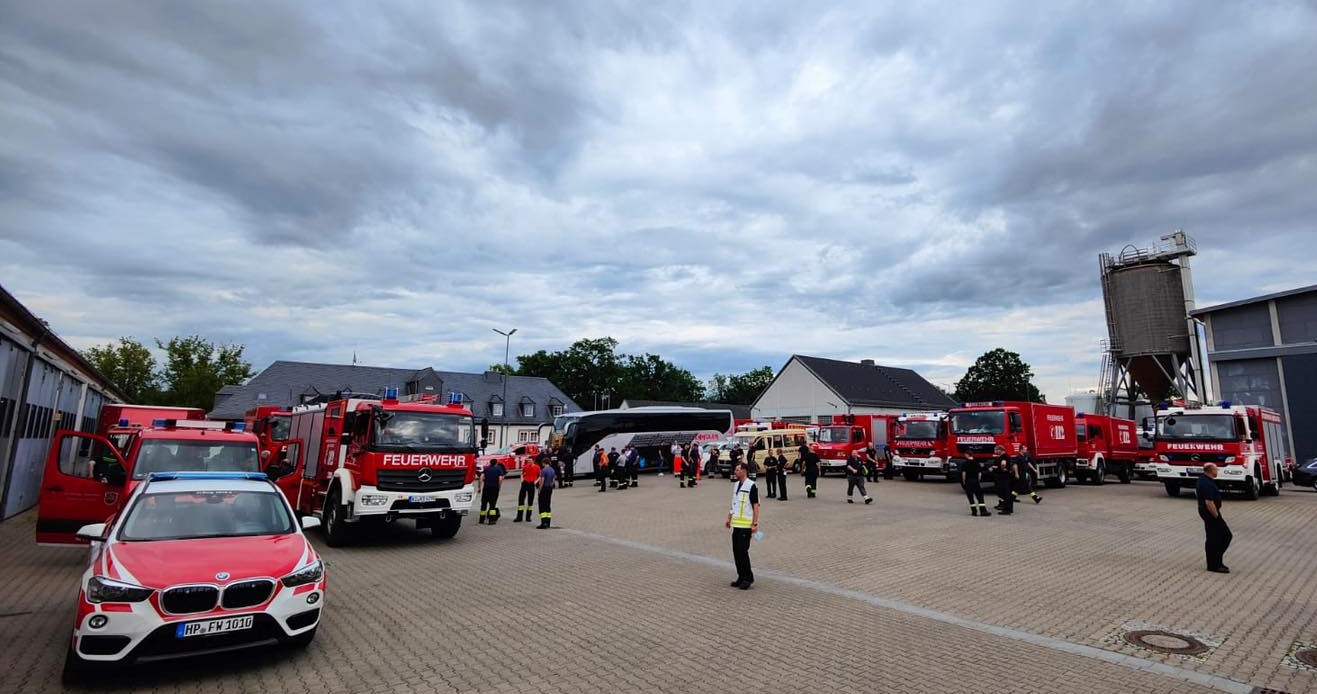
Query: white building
[808, 388]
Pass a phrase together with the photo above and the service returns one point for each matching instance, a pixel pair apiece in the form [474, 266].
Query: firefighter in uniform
[1003, 466]
[781, 476]
[811, 463]
[855, 478]
[743, 519]
[600, 469]
[491, 478]
[545, 485]
[770, 475]
[567, 468]
[1218, 535]
[633, 465]
[1028, 476]
[970, 471]
[618, 465]
[530, 474]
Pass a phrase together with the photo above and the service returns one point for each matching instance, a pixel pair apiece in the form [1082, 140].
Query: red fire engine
[271, 425]
[851, 433]
[1246, 442]
[88, 476]
[920, 446]
[976, 428]
[120, 415]
[1107, 445]
[370, 460]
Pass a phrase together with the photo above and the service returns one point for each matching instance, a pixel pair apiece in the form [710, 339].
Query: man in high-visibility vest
[743, 519]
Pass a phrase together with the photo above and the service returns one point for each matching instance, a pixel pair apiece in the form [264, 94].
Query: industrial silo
[1152, 350]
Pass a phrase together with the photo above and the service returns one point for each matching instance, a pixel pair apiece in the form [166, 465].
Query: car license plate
[420, 499]
[214, 626]
[1194, 470]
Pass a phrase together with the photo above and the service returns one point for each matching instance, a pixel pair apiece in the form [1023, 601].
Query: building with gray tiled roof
[808, 388]
[531, 400]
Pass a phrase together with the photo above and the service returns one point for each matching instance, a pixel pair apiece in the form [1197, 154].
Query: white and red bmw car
[197, 563]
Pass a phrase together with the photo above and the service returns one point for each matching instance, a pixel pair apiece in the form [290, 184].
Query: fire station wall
[1251, 382]
[1298, 319]
[1301, 391]
[1241, 328]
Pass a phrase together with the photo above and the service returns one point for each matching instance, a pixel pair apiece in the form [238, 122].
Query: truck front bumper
[371, 502]
[933, 464]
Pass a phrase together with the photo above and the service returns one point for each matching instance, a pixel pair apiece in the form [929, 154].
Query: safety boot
[518, 518]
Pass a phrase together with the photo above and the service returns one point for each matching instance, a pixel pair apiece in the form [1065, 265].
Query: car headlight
[310, 574]
[1230, 459]
[106, 590]
[462, 497]
[1164, 459]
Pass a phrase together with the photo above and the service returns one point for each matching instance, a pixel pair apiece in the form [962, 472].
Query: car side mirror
[310, 522]
[92, 533]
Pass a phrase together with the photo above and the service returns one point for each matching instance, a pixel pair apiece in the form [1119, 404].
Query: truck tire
[1253, 487]
[954, 477]
[445, 528]
[1172, 488]
[1060, 480]
[1273, 489]
[1100, 475]
[1124, 474]
[910, 475]
[334, 526]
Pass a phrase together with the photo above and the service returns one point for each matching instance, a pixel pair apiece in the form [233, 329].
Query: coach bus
[652, 430]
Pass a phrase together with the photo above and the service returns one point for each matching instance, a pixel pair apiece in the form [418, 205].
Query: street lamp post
[507, 343]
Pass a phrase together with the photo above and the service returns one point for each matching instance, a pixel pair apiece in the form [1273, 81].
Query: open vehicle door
[286, 469]
[83, 484]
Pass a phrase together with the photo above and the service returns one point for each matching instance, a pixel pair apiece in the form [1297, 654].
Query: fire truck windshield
[980, 422]
[280, 428]
[1217, 427]
[424, 431]
[918, 430]
[834, 435]
[164, 455]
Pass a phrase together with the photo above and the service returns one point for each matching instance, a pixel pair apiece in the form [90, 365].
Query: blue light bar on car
[193, 475]
[237, 426]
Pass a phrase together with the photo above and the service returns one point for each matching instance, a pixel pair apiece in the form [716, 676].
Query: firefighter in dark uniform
[489, 482]
[770, 474]
[970, 471]
[811, 463]
[1214, 525]
[888, 470]
[545, 485]
[781, 476]
[565, 466]
[618, 465]
[1006, 472]
[633, 465]
[1028, 475]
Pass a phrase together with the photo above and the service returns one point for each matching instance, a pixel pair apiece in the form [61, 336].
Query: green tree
[130, 366]
[195, 368]
[589, 366]
[739, 389]
[650, 377]
[502, 369]
[998, 375]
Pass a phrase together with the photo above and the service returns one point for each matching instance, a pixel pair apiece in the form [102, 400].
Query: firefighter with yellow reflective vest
[743, 519]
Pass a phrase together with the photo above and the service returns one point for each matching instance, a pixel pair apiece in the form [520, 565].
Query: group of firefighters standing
[1011, 476]
[538, 477]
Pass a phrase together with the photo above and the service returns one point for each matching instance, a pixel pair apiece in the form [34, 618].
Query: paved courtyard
[630, 594]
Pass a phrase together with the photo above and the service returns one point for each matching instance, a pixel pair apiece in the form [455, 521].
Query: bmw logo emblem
[222, 576]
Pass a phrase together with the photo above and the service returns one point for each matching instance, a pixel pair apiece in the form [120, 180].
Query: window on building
[556, 410]
[527, 409]
[496, 409]
[528, 436]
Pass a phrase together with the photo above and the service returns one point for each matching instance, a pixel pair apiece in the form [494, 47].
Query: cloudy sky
[722, 184]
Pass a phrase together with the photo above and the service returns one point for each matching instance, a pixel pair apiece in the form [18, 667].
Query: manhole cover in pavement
[1302, 656]
[1307, 656]
[1166, 642]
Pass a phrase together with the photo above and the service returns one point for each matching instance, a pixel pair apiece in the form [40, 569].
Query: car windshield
[208, 513]
[919, 430]
[834, 435]
[1217, 427]
[163, 455]
[280, 427]
[424, 430]
[984, 422]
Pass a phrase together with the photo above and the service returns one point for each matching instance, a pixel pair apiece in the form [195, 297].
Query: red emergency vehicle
[271, 425]
[88, 476]
[513, 457]
[1107, 445]
[362, 459]
[1246, 442]
[920, 446]
[851, 433]
[120, 415]
[976, 428]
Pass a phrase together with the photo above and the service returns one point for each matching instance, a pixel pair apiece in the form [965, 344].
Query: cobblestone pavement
[630, 595]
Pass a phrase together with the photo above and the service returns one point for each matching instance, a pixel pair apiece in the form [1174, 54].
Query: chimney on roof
[867, 362]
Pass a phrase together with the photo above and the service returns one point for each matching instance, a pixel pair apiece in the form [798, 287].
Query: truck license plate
[1194, 470]
[214, 626]
[420, 499]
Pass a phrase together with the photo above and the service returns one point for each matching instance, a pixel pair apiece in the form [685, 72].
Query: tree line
[192, 371]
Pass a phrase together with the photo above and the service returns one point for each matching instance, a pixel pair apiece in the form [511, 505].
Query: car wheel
[76, 670]
[335, 528]
[1172, 488]
[445, 528]
[303, 640]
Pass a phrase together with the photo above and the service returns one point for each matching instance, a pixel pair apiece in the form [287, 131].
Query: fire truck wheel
[1253, 488]
[1100, 477]
[1172, 488]
[910, 475]
[303, 640]
[334, 527]
[1124, 474]
[446, 528]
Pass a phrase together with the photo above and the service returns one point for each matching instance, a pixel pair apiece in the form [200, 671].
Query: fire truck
[851, 433]
[1246, 442]
[920, 446]
[362, 460]
[1107, 445]
[120, 415]
[88, 476]
[271, 425]
[976, 428]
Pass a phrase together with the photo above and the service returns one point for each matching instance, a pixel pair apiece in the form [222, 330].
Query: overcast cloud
[724, 185]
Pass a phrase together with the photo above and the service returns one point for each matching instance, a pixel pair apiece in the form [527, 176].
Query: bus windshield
[424, 430]
[1215, 427]
[980, 422]
[919, 430]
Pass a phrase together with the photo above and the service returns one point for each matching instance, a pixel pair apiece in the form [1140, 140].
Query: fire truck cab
[976, 428]
[851, 433]
[271, 424]
[360, 460]
[1246, 442]
[1107, 445]
[88, 476]
[920, 446]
